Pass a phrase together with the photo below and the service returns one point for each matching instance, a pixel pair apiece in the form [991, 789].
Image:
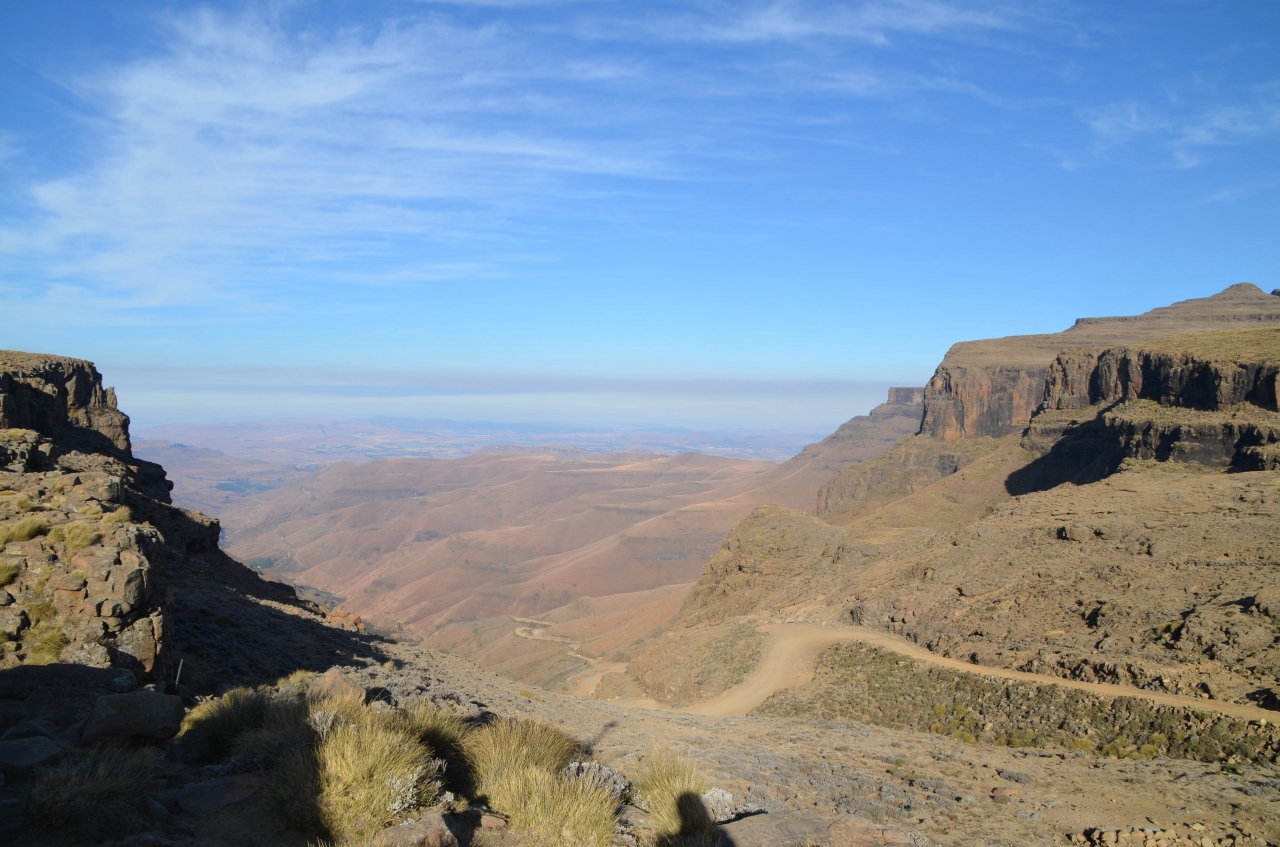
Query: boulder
[1267, 601]
[204, 798]
[23, 754]
[427, 831]
[334, 683]
[138, 714]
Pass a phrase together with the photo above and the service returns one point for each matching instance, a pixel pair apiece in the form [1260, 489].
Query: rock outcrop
[62, 399]
[992, 388]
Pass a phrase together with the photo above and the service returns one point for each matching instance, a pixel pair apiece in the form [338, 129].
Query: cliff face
[1082, 378]
[1199, 399]
[971, 402]
[992, 388]
[63, 399]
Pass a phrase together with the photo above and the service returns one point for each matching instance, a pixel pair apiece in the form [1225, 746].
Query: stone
[29, 729]
[22, 754]
[719, 804]
[427, 831]
[335, 683]
[488, 821]
[204, 798]
[1267, 601]
[794, 827]
[138, 714]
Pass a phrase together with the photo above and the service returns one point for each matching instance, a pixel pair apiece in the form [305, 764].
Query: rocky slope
[967, 542]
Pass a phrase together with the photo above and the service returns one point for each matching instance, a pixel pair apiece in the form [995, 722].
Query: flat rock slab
[335, 683]
[791, 827]
[138, 714]
[204, 798]
[427, 831]
[23, 754]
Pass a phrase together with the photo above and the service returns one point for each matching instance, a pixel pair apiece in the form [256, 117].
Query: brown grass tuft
[23, 530]
[219, 723]
[74, 536]
[670, 788]
[445, 735]
[551, 810]
[121, 515]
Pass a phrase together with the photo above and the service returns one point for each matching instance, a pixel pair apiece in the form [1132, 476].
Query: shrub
[670, 787]
[74, 536]
[553, 810]
[23, 530]
[512, 745]
[90, 792]
[121, 515]
[8, 573]
[219, 723]
[371, 775]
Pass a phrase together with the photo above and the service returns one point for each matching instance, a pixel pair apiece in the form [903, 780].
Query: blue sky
[719, 214]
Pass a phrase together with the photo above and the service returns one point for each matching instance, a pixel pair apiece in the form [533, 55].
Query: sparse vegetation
[75, 536]
[90, 792]
[8, 573]
[23, 530]
[670, 788]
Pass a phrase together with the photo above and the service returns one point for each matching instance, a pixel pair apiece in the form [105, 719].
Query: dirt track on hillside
[791, 649]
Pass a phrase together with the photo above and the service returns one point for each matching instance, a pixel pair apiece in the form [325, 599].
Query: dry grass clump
[22, 503]
[218, 724]
[549, 809]
[75, 536]
[121, 515]
[516, 765]
[370, 776]
[518, 742]
[42, 644]
[90, 792]
[444, 733]
[8, 573]
[670, 788]
[23, 530]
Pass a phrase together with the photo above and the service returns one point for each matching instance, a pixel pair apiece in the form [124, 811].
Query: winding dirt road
[791, 649]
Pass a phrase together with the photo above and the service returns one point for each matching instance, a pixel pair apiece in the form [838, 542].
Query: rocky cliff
[91, 549]
[991, 388]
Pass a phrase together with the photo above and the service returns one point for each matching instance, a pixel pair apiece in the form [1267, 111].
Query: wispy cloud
[247, 148]
[1187, 133]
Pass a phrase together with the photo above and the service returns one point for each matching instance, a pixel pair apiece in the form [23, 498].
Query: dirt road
[791, 649]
